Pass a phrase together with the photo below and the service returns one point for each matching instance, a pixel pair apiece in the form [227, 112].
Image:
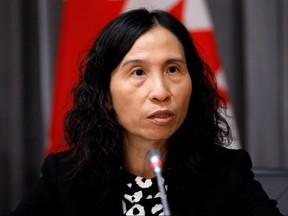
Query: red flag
[82, 20]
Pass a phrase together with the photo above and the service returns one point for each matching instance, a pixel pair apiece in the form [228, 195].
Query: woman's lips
[162, 117]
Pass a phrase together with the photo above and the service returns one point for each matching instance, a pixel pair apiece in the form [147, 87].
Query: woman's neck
[136, 156]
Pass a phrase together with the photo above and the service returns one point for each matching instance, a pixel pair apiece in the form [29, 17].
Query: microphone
[156, 164]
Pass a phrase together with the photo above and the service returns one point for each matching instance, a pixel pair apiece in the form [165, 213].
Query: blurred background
[252, 38]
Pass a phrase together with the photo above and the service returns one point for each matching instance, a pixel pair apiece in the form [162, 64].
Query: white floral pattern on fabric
[142, 182]
[156, 208]
[136, 208]
[140, 196]
[135, 198]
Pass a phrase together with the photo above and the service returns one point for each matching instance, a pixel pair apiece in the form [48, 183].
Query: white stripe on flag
[196, 15]
[150, 4]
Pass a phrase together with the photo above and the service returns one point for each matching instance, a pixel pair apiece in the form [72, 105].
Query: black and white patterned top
[140, 196]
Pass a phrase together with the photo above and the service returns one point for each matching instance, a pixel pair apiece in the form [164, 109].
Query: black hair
[91, 128]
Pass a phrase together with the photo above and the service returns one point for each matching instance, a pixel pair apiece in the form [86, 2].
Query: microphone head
[155, 160]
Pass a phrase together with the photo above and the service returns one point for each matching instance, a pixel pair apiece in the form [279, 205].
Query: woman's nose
[159, 91]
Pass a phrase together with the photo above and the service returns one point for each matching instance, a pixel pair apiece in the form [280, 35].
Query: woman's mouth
[162, 117]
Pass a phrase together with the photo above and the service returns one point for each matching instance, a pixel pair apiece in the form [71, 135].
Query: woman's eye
[138, 72]
[172, 69]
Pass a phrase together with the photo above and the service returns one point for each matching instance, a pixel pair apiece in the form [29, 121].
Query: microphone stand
[155, 164]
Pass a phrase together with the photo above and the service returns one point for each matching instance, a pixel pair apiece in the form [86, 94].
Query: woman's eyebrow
[132, 61]
[170, 60]
[177, 59]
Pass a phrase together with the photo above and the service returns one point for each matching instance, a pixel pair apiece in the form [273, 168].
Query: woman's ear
[108, 103]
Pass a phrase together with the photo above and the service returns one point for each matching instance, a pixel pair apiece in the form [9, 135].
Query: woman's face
[151, 87]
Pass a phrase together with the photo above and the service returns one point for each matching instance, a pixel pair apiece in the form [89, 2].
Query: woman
[143, 86]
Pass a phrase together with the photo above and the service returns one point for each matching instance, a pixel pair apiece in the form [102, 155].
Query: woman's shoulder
[58, 159]
[232, 155]
[224, 159]
[61, 155]
[57, 165]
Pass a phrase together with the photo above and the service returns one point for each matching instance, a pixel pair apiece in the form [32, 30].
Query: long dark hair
[91, 127]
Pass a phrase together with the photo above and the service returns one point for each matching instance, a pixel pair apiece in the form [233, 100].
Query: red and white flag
[83, 19]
